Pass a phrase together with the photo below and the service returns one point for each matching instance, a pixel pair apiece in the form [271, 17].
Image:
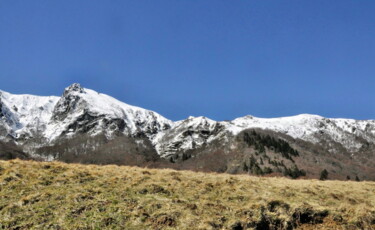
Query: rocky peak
[199, 122]
[68, 102]
[75, 87]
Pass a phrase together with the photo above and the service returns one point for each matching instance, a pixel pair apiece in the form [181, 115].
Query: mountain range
[89, 127]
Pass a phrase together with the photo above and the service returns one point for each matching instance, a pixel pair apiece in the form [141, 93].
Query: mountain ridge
[38, 123]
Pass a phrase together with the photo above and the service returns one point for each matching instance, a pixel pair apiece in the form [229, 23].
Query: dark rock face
[6, 116]
[84, 123]
[114, 124]
[68, 103]
[150, 128]
[1, 109]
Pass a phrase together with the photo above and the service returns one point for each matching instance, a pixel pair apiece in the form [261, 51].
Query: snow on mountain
[194, 132]
[312, 128]
[80, 110]
[25, 114]
[300, 126]
[187, 134]
[80, 106]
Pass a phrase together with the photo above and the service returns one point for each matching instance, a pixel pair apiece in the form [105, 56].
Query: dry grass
[55, 195]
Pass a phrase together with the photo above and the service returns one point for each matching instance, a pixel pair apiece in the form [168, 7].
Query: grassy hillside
[35, 195]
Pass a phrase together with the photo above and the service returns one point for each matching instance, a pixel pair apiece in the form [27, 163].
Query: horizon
[295, 115]
[209, 58]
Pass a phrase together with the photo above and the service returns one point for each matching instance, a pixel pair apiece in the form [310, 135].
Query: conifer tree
[324, 175]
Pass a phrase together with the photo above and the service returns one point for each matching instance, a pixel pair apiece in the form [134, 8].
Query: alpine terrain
[85, 126]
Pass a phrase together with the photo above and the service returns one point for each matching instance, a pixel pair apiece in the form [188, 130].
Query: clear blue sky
[220, 59]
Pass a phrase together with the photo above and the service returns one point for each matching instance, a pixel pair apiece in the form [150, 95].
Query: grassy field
[35, 195]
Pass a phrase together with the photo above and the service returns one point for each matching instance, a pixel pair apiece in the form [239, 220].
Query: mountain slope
[351, 134]
[40, 121]
[342, 134]
[86, 126]
[84, 110]
[24, 115]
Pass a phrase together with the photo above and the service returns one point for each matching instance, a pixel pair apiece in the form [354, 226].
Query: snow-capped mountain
[312, 128]
[81, 110]
[78, 110]
[193, 132]
[50, 125]
[84, 110]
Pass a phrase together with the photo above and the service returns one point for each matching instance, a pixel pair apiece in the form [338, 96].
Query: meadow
[55, 195]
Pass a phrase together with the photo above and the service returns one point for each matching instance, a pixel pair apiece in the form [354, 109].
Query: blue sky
[220, 59]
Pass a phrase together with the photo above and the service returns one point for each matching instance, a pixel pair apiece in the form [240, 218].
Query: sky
[220, 59]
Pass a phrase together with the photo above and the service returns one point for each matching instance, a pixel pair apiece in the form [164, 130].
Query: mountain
[78, 110]
[89, 127]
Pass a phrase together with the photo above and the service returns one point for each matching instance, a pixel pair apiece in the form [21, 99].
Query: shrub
[323, 175]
